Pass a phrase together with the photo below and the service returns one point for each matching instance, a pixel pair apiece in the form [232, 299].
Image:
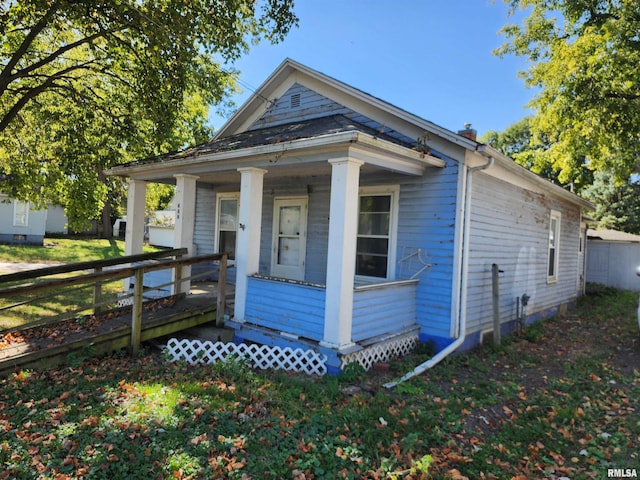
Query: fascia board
[378, 152]
[512, 167]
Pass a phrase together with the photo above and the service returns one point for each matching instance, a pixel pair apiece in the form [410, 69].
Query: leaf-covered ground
[558, 401]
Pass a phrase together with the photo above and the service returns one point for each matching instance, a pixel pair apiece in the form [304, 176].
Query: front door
[289, 237]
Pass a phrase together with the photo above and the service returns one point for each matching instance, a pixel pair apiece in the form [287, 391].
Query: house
[21, 223]
[357, 228]
[612, 259]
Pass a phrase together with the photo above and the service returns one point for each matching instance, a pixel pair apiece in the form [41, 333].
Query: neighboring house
[56, 220]
[21, 223]
[612, 259]
[356, 226]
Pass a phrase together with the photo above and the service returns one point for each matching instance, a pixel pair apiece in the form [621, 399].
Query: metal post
[495, 273]
[136, 312]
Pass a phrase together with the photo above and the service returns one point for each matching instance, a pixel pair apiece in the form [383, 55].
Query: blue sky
[430, 57]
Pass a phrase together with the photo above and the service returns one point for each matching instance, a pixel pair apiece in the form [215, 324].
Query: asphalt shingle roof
[311, 128]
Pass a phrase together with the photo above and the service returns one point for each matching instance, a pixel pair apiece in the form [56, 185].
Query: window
[375, 249]
[554, 244]
[227, 223]
[20, 213]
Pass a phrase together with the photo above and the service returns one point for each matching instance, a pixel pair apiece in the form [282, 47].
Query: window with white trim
[227, 223]
[20, 213]
[554, 246]
[377, 225]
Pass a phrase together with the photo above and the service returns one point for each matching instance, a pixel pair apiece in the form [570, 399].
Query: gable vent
[295, 100]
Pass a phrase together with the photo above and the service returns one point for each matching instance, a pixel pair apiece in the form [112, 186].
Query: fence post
[136, 312]
[495, 277]
[221, 300]
[97, 293]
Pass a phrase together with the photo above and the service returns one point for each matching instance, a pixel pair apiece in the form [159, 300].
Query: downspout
[462, 307]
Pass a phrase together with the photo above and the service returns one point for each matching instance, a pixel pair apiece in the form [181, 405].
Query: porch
[311, 224]
[283, 312]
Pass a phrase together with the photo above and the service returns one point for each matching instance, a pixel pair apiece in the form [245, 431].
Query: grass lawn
[559, 401]
[65, 250]
[58, 250]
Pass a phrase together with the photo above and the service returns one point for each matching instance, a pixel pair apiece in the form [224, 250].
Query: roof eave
[510, 165]
[330, 141]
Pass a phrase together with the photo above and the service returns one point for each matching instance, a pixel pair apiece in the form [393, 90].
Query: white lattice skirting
[381, 352]
[259, 356]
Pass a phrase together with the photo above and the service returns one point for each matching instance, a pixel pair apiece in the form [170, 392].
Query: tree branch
[32, 93]
[622, 96]
[50, 58]
[5, 75]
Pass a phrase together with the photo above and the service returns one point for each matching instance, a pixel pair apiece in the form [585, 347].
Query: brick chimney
[468, 132]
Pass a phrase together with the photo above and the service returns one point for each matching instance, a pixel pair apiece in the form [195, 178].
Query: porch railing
[50, 295]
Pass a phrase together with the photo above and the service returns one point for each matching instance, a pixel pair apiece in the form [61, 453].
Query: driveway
[9, 267]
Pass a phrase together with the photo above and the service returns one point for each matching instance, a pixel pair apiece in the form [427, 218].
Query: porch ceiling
[294, 150]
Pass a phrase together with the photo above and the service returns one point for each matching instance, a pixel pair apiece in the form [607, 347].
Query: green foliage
[617, 205]
[583, 58]
[519, 142]
[158, 197]
[351, 373]
[533, 332]
[88, 85]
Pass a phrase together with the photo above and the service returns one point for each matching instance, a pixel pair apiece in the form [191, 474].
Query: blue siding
[427, 217]
[383, 309]
[289, 307]
[312, 105]
[427, 222]
[510, 227]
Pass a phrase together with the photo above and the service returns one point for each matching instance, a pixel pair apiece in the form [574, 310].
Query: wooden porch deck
[105, 330]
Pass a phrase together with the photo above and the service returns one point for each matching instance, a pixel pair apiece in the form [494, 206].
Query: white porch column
[249, 229]
[185, 201]
[134, 230]
[341, 260]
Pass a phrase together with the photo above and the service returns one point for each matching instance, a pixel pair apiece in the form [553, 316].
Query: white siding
[35, 227]
[56, 220]
[510, 227]
[613, 264]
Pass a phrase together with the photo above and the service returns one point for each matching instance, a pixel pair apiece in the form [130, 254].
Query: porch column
[185, 201]
[134, 229]
[249, 229]
[341, 260]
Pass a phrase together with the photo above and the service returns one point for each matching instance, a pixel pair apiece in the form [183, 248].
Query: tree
[528, 150]
[87, 85]
[584, 57]
[617, 205]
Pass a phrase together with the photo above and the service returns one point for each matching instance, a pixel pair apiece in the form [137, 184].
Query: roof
[291, 71]
[237, 137]
[613, 236]
[305, 129]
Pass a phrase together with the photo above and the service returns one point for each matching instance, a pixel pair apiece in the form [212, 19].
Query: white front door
[289, 237]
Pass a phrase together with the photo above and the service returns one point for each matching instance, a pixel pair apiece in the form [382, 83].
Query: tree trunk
[107, 227]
